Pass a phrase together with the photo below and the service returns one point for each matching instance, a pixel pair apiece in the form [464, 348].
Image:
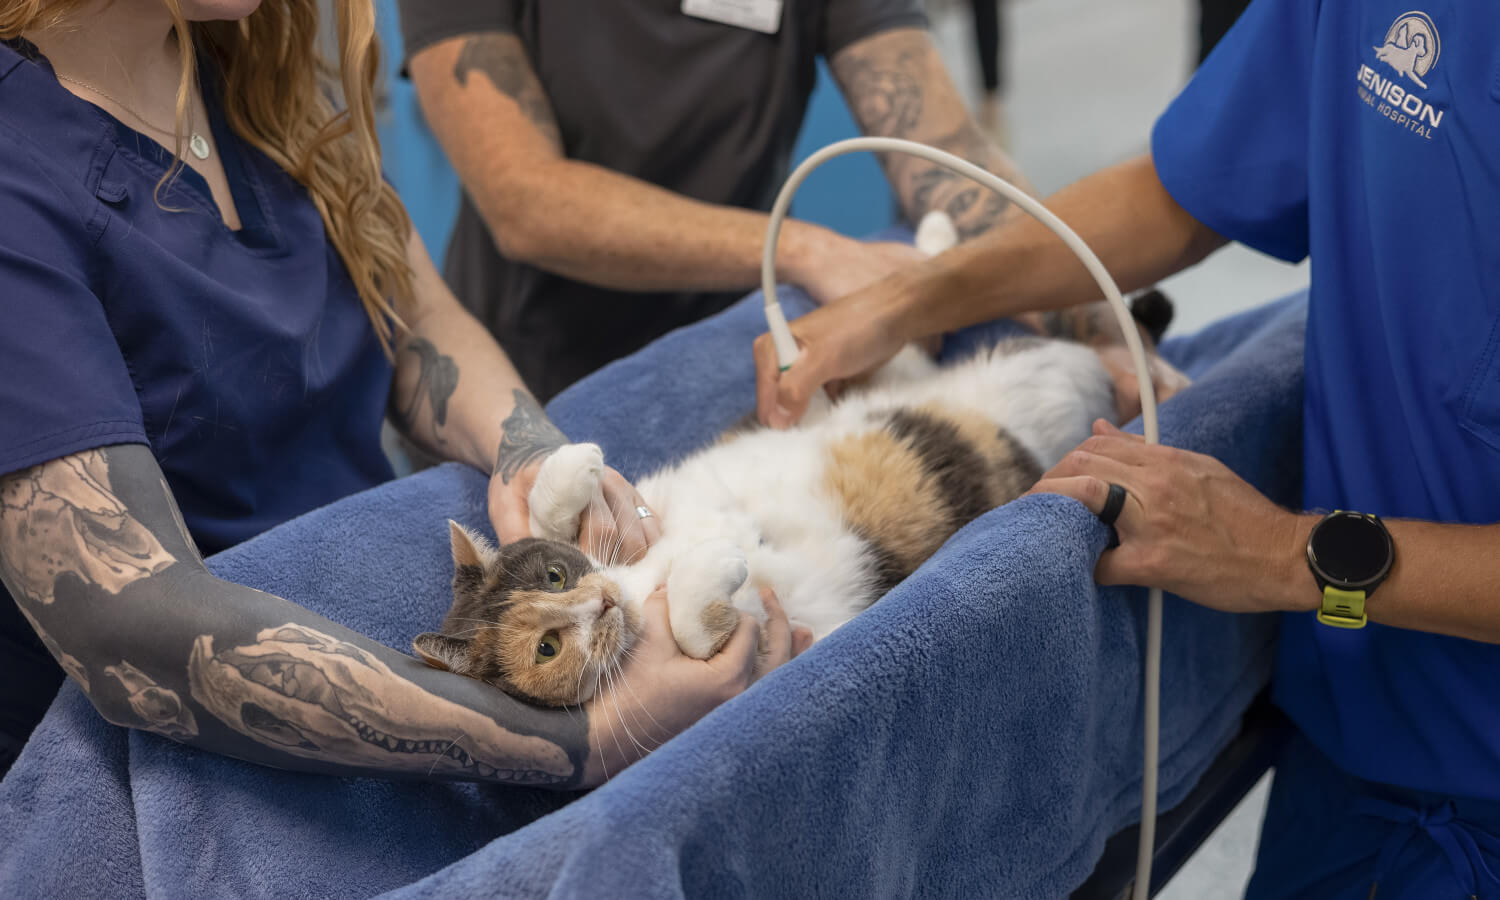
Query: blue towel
[976, 732]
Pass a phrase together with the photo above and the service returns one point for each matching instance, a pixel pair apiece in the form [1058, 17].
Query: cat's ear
[469, 549]
[440, 651]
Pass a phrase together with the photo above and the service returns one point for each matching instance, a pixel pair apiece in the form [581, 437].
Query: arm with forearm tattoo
[94, 551]
[455, 392]
[593, 224]
[897, 86]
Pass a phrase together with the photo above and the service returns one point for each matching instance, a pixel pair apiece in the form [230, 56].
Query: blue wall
[848, 194]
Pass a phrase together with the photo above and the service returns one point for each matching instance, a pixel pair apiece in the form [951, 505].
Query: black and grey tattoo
[885, 80]
[89, 549]
[312, 695]
[885, 93]
[502, 59]
[74, 524]
[437, 381]
[528, 436]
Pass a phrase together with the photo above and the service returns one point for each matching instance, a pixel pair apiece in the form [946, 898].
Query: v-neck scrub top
[243, 359]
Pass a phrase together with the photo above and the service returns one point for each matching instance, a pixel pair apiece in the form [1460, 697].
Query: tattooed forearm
[502, 59]
[437, 379]
[66, 516]
[91, 549]
[528, 436]
[897, 86]
[312, 695]
[884, 91]
[973, 208]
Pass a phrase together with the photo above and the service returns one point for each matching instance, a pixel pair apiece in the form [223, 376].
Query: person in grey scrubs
[618, 158]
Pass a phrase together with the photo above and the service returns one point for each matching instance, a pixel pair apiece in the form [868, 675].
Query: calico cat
[831, 514]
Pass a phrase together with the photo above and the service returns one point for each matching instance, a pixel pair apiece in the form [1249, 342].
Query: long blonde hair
[275, 98]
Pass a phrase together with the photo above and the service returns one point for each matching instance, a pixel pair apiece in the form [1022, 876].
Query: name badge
[757, 15]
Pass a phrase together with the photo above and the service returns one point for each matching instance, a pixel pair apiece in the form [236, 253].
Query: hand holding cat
[1189, 526]
[610, 526]
[661, 690]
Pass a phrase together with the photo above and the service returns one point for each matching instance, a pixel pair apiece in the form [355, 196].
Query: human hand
[1121, 368]
[660, 691]
[610, 528]
[842, 266]
[1189, 525]
[842, 340]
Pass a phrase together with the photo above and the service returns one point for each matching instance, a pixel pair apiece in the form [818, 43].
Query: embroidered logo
[1411, 47]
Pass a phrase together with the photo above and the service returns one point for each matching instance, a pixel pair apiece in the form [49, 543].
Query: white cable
[787, 352]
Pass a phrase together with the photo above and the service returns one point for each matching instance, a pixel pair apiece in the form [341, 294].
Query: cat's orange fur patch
[887, 497]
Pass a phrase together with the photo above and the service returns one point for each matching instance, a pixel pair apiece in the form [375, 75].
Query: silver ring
[643, 513]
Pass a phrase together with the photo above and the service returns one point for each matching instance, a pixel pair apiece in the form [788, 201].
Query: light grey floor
[1086, 80]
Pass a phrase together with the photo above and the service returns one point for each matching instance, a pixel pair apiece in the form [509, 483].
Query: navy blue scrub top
[1367, 135]
[243, 359]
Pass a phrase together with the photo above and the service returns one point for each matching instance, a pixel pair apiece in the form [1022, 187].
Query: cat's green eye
[556, 578]
[549, 647]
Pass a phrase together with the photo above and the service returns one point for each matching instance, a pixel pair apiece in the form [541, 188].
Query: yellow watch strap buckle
[1343, 609]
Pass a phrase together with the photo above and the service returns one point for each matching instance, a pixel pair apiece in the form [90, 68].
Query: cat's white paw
[564, 486]
[699, 589]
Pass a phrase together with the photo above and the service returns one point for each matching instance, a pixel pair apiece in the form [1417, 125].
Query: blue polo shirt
[1367, 135]
[243, 359]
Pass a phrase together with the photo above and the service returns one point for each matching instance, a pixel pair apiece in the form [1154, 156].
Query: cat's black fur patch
[1029, 470]
[888, 572]
[957, 467]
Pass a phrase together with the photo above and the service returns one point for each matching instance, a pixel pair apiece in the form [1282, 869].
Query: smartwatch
[1350, 554]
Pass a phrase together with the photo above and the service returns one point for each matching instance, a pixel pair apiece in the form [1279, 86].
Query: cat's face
[533, 618]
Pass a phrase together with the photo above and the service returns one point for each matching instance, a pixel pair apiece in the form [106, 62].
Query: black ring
[1112, 504]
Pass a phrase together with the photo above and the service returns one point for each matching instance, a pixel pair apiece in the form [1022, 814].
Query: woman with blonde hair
[210, 298]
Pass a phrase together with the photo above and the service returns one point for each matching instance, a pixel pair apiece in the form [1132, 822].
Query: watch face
[1350, 550]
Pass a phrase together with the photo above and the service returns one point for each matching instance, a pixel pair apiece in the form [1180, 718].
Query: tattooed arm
[93, 550]
[897, 86]
[457, 396]
[593, 224]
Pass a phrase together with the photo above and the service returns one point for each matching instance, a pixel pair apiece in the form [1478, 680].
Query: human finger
[767, 374]
[794, 391]
[737, 658]
[636, 526]
[802, 638]
[777, 632]
[1106, 428]
[1089, 490]
[656, 624]
[1097, 461]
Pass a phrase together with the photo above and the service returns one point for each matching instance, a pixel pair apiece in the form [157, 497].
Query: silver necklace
[197, 143]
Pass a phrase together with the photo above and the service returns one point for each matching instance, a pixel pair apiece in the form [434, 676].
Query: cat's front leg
[566, 483]
[700, 589]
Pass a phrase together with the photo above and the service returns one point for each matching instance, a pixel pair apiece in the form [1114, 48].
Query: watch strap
[1343, 609]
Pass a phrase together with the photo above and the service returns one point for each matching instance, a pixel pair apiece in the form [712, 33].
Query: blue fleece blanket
[975, 733]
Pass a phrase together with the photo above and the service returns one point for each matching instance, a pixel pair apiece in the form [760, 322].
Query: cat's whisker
[618, 746]
[620, 711]
[640, 705]
[630, 654]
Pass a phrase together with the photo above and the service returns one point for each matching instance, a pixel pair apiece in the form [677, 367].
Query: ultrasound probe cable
[787, 352]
